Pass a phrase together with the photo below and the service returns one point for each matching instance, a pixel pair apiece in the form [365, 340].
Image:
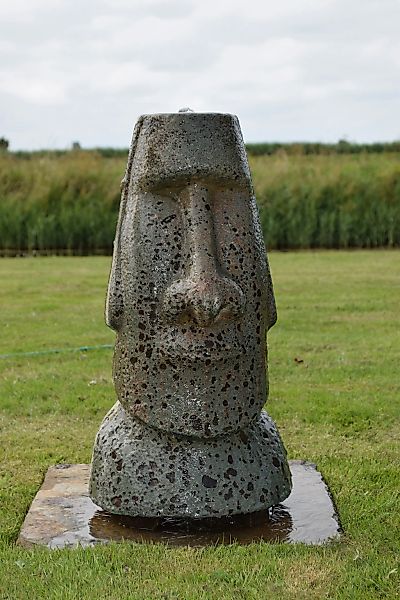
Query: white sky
[290, 69]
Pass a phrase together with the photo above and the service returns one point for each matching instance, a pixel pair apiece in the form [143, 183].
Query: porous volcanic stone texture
[139, 470]
[190, 297]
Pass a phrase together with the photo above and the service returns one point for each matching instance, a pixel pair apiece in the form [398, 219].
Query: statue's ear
[271, 306]
[115, 293]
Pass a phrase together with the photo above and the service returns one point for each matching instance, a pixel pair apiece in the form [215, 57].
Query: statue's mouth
[201, 344]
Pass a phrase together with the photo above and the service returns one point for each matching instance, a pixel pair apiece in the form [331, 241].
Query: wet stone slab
[62, 515]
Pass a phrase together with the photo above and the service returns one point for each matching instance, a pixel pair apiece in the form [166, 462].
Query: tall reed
[68, 202]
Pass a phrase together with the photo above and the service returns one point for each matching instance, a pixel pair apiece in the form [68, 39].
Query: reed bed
[68, 202]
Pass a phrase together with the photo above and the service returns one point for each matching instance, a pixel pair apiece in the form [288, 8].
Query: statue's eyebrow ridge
[178, 182]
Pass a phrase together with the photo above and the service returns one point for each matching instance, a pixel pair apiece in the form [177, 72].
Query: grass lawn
[339, 313]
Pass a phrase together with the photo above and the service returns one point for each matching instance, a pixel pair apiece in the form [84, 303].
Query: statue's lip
[200, 346]
[198, 353]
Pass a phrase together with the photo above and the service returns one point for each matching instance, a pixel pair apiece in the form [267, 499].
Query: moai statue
[190, 297]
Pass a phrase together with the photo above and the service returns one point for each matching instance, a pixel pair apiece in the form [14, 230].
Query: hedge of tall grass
[69, 202]
[337, 201]
[65, 203]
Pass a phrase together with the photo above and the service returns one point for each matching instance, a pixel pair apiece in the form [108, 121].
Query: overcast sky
[290, 69]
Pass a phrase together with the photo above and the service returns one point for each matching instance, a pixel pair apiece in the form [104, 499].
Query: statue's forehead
[183, 146]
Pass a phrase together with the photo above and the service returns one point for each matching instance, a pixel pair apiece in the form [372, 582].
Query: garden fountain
[187, 454]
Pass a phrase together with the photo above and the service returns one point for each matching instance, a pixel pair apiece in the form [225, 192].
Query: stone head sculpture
[190, 297]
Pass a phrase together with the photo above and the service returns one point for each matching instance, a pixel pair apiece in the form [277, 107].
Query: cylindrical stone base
[141, 471]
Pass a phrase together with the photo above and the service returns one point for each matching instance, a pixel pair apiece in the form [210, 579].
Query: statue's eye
[169, 191]
[170, 188]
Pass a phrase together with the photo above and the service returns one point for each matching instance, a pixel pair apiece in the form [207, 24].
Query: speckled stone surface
[190, 296]
[62, 515]
[144, 471]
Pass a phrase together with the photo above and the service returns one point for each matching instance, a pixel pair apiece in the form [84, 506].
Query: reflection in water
[308, 516]
[242, 529]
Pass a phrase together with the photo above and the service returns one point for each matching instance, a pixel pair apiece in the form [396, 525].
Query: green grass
[338, 312]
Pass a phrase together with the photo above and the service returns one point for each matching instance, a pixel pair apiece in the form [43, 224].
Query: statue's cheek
[153, 253]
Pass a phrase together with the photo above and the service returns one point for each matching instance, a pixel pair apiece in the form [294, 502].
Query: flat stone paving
[62, 515]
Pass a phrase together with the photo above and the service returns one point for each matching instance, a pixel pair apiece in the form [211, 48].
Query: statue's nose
[203, 300]
[205, 294]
